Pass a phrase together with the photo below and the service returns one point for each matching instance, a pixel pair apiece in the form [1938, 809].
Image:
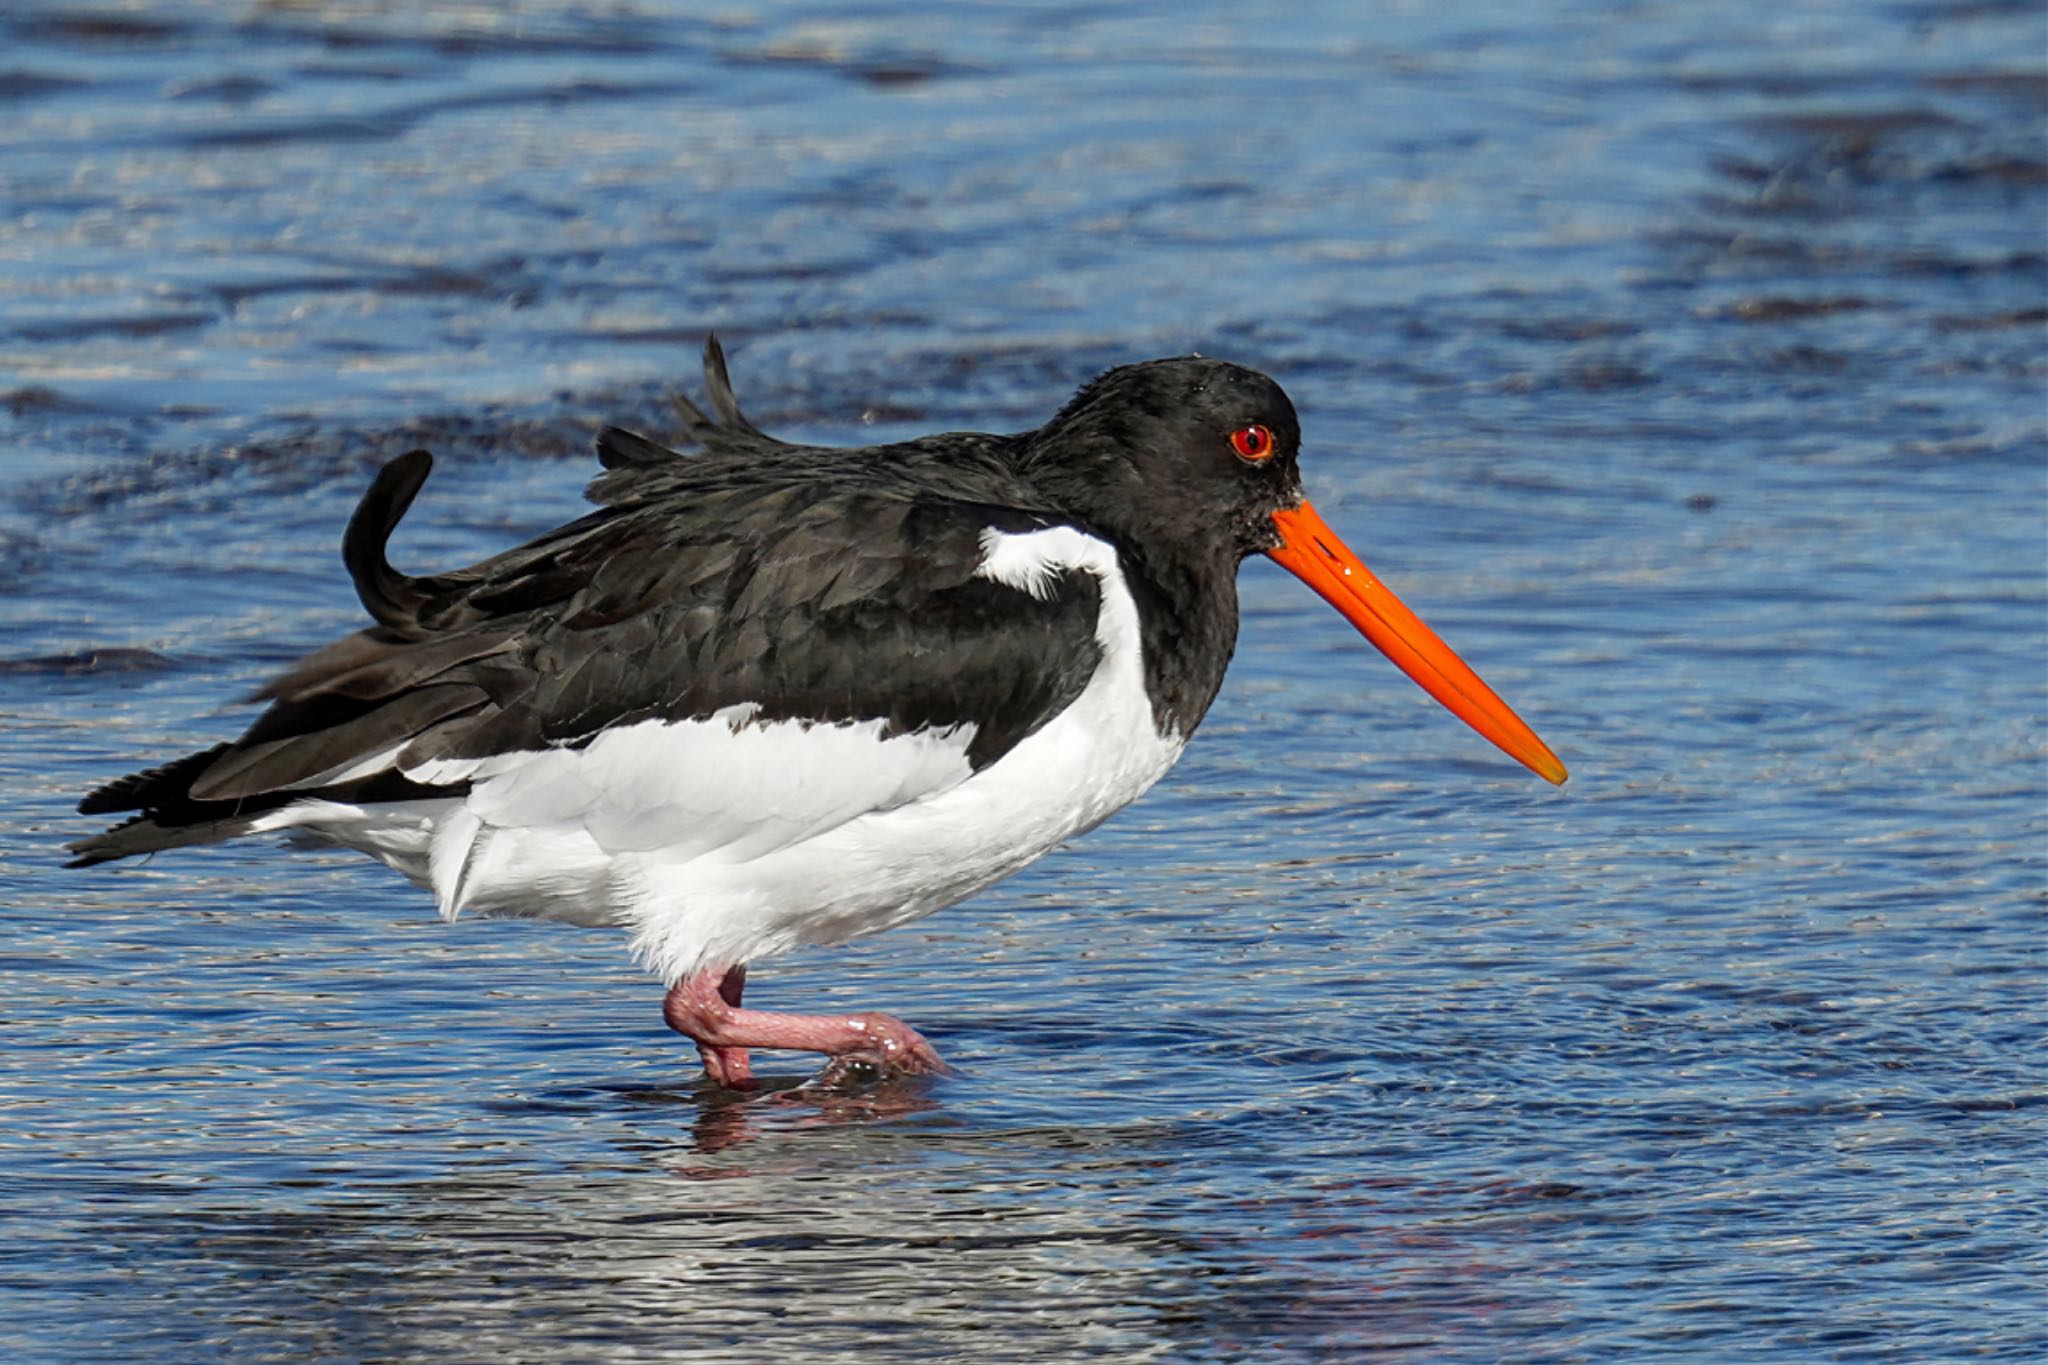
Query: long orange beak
[1311, 551]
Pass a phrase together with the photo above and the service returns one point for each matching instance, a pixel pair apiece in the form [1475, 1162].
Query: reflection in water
[731, 1118]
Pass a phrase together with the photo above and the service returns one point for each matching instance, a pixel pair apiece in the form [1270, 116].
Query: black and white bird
[770, 695]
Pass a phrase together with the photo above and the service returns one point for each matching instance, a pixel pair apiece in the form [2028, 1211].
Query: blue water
[1683, 364]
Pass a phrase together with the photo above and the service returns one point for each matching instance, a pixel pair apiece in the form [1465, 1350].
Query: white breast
[725, 840]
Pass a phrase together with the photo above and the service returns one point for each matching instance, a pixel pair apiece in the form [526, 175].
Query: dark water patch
[789, 271]
[1812, 360]
[2006, 170]
[2030, 87]
[1782, 310]
[238, 291]
[20, 87]
[1590, 377]
[99, 28]
[1570, 331]
[2012, 317]
[479, 34]
[1854, 134]
[238, 88]
[143, 325]
[438, 283]
[92, 661]
[378, 127]
[1826, 167]
[1934, 15]
[394, 121]
[883, 69]
[35, 398]
[353, 70]
[1826, 258]
[1795, 86]
[2032, 264]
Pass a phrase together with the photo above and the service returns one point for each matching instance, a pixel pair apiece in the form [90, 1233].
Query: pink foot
[705, 1008]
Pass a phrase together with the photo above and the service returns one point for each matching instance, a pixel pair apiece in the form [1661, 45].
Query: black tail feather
[171, 817]
[144, 835]
[168, 818]
[390, 596]
[152, 786]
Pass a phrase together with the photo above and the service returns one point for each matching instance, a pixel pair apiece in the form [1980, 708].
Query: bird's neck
[1187, 618]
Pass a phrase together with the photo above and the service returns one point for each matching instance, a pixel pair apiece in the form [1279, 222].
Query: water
[1682, 364]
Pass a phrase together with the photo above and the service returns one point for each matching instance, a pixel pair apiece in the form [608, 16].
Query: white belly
[888, 868]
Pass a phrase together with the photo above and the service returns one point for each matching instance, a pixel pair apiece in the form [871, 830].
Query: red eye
[1252, 443]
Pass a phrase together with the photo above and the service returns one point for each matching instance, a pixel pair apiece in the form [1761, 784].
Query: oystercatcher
[771, 694]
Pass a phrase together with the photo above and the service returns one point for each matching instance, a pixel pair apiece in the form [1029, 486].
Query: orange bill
[1311, 551]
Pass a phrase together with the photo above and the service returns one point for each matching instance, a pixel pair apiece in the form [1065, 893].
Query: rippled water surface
[1684, 364]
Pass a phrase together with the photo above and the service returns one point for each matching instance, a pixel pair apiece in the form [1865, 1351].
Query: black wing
[809, 599]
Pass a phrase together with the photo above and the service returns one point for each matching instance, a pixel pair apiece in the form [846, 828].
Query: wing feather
[301, 759]
[647, 671]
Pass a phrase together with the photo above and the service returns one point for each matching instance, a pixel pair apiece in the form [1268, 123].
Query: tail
[359, 696]
[159, 792]
[168, 815]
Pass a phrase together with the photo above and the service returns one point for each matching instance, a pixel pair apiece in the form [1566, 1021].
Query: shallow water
[1682, 364]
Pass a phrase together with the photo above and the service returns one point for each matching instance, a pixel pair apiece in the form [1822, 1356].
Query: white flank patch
[1032, 560]
[727, 839]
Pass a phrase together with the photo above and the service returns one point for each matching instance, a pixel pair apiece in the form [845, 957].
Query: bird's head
[1199, 458]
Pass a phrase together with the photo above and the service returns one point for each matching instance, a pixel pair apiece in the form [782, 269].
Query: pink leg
[728, 1066]
[706, 1009]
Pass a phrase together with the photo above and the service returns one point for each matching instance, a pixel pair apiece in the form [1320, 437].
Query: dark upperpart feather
[618, 448]
[718, 384]
[730, 433]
